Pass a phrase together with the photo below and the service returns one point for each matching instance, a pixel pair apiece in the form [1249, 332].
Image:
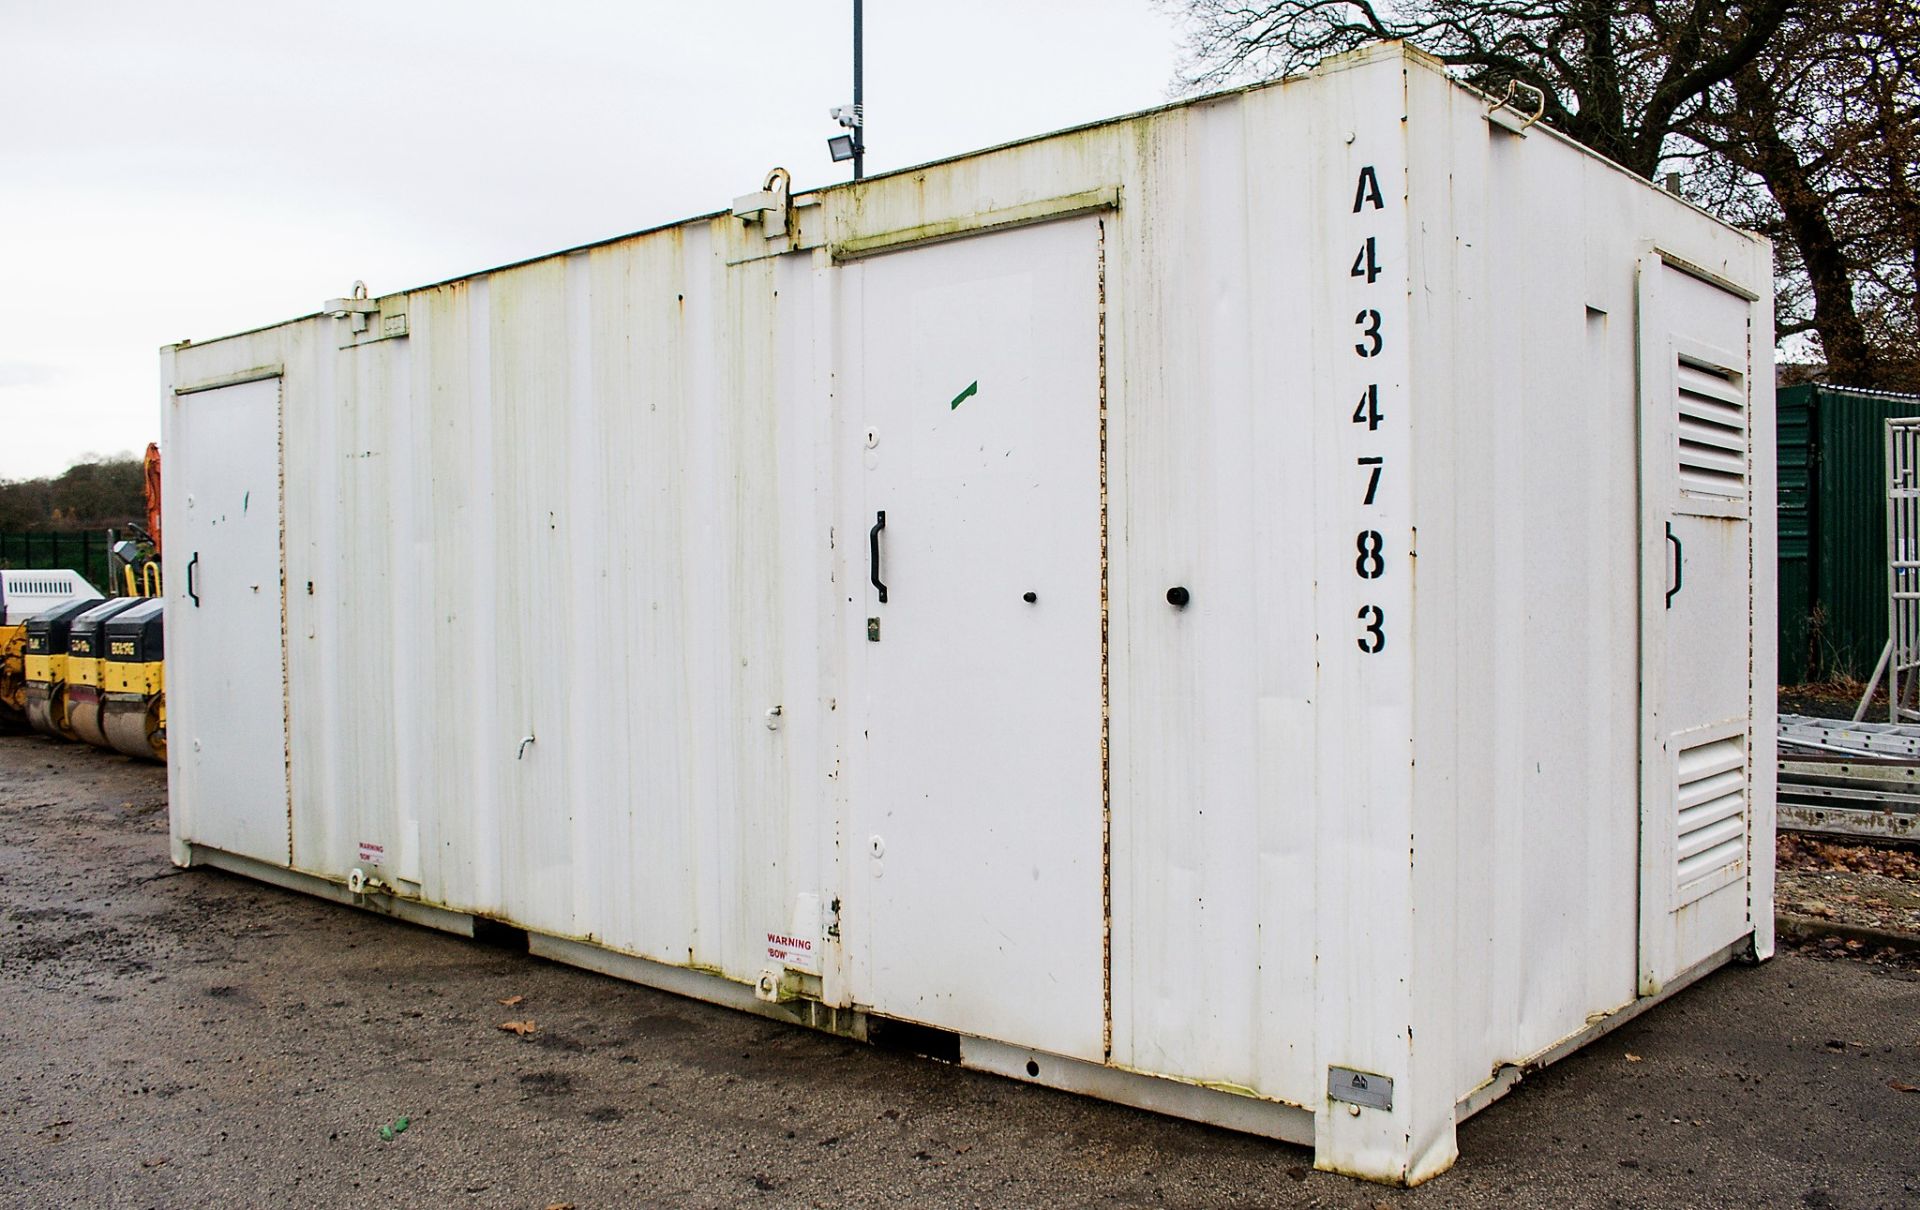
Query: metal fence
[1833, 536]
[84, 551]
[1903, 569]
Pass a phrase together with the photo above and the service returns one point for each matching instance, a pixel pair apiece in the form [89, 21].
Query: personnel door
[979, 820]
[226, 684]
[1696, 619]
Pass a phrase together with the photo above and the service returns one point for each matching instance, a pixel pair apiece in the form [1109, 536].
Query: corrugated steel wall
[1833, 529]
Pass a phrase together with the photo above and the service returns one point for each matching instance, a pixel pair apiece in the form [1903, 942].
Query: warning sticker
[794, 953]
[371, 853]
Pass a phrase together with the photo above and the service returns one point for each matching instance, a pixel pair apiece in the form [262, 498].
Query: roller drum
[84, 711]
[135, 726]
[47, 710]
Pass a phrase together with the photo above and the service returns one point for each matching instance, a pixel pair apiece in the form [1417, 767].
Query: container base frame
[1235, 1111]
[1509, 1075]
[412, 911]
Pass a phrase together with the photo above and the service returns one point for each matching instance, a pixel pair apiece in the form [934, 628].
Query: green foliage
[89, 495]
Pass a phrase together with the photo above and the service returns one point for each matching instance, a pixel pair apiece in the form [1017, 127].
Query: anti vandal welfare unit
[1247, 610]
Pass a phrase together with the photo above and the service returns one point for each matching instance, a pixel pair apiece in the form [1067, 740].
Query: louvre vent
[1712, 413]
[60, 584]
[1713, 808]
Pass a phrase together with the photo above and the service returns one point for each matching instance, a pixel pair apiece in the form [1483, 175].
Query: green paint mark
[973, 388]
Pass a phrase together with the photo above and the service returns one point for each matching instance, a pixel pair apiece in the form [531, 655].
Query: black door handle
[873, 554]
[191, 564]
[1677, 552]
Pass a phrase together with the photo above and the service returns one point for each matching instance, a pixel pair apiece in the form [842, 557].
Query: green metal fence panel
[1799, 635]
[84, 551]
[1833, 528]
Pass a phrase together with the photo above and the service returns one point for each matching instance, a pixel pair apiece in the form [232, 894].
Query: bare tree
[1621, 78]
[1799, 118]
[1823, 130]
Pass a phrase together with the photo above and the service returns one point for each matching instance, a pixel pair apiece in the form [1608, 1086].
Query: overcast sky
[190, 168]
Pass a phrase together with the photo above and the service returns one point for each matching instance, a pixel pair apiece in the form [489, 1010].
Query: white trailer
[26, 592]
[1258, 609]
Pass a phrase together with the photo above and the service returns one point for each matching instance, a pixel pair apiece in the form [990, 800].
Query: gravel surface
[1865, 886]
[175, 1038]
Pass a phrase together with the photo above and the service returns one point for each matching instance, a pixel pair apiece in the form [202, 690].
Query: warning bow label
[794, 953]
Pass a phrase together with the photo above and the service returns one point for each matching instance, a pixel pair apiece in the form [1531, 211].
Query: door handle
[873, 554]
[1677, 573]
[191, 564]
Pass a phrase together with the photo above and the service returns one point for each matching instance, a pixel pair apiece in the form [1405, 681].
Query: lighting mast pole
[859, 97]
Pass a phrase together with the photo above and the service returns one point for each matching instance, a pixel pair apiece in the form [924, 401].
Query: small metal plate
[1360, 1088]
[380, 326]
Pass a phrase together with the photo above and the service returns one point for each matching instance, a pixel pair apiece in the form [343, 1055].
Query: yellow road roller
[24, 593]
[13, 675]
[46, 668]
[86, 662]
[135, 718]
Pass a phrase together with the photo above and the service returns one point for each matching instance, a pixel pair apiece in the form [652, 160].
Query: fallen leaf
[522, 1028]
[1902, 1086]
[155, 1162]
[510, 1001]
[1632, 1058]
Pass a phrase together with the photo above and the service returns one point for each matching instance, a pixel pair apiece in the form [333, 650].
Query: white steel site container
[1324, 530]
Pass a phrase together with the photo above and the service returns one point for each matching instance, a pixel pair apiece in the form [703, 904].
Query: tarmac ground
[190, 1038]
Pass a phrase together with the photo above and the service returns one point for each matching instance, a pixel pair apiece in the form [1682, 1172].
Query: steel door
[979, 806]
[226, 699]
[1696, 621]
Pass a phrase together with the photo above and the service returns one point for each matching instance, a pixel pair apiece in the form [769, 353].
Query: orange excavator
[150, 470]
